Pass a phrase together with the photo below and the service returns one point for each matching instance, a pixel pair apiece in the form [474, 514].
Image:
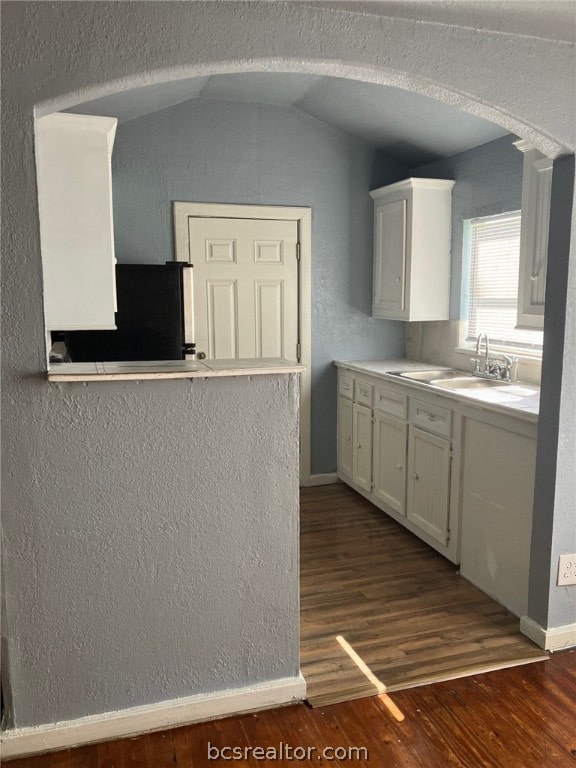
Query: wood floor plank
[516, 748]
[400, 605]
[160, 749]
[524, 717]
[364, 728]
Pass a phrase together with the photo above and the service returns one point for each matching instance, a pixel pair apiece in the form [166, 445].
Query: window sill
[523, 358]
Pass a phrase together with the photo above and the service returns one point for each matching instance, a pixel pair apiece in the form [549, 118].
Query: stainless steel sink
[429, 377]
[451, 378]
[469, 382]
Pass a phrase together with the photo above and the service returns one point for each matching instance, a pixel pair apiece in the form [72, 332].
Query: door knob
[415, 476]
[201, 355]
[398, 466]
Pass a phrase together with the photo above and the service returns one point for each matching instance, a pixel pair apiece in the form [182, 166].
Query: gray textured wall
[549, 604]
[267, 155]
[488, 181]
[74, 51]
[152, 552]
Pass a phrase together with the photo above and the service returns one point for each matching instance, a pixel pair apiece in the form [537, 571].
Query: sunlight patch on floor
[378, 684]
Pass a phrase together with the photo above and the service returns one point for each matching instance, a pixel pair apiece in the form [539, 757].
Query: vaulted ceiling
[413, 128]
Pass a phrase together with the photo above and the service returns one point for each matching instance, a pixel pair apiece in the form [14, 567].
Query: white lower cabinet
[387, 450]
[498, 469]
[389, 470]
[362, 446]
[459, 476]
[428, 508]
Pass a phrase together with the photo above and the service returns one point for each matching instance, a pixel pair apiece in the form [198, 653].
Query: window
[494, 249]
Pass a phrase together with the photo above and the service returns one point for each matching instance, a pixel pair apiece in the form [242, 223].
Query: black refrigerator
[150, 320]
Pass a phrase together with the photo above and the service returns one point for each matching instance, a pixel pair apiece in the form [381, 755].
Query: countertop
[517, 399]
[169, 369]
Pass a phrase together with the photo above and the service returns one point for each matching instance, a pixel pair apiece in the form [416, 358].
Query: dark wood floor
[365, 578]
[524, 717]
[398, 606]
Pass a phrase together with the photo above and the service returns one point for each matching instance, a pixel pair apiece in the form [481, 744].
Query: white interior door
[299, 221]
[245, 287]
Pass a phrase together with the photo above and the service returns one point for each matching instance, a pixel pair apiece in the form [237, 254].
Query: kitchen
[490, 177]
[352, 285]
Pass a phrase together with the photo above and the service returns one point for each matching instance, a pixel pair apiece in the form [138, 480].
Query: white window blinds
[494, 268]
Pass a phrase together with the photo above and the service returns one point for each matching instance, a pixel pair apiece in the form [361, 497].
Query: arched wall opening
[442, 92]
[393, 78]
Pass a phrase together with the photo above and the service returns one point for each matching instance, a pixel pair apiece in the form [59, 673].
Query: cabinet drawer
[393, 403]
[432, 418]
[363, 393]
[346, 385]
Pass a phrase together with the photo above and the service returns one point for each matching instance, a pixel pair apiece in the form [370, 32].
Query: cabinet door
[362, 446]
[497, 497]
[389, 257]
[390, 461]
[429, 483]
[74, 155]
[536, 191]
[345, 436]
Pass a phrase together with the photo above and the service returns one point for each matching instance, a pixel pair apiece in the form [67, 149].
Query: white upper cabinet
[412, 235]
[536, 190]
[73, 155]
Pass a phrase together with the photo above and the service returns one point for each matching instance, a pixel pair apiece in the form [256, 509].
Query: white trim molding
[20, 742]
[303, 216]
[553, 639]
[327, 479]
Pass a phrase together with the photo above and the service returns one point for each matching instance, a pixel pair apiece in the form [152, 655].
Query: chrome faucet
[487, 352]
[498, 368]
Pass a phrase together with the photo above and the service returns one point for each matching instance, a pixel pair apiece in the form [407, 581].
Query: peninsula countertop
[139, 370]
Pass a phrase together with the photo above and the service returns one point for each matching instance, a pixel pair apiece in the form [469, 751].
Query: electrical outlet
[566, 570]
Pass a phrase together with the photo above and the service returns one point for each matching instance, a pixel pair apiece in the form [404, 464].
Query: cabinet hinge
[298, 251]
[371, 487]
[448, 536]
[298, 351]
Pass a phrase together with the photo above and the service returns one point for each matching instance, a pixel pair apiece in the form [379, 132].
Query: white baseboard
[19, 742]
[554, 639]
[328, 479]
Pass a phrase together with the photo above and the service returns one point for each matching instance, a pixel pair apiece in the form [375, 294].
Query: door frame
[303, 216]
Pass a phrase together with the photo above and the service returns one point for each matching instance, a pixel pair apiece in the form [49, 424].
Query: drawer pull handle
[416, 476]
[431, 417]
